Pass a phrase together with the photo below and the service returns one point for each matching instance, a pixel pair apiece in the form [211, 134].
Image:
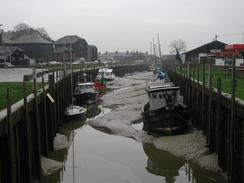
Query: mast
[154, 53]
[151, 48]
[71, 67]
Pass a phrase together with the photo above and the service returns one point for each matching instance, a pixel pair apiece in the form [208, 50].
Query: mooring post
[11, 141]
[203, 97]
[54, 105]
[218, 128]
[45, 116]
[197, 98]
[193, 84]
[232, 121]
[37, 120]
[57, 99]
[190, 86]
[28, 136]
[210, 125]
[18, 174]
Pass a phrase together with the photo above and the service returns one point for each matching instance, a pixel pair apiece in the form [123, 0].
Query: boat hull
[85, 98]
[168, 122]
[76, 117]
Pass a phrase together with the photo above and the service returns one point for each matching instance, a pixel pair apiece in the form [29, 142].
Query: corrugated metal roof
[68, 39]
[31, 38]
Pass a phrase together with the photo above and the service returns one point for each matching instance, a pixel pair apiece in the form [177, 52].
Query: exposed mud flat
[126, 101]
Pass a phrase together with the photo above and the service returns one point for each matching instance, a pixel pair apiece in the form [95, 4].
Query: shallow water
[113, 152]
[103, 158]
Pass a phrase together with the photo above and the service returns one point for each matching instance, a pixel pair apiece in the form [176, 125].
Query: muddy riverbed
[113, 148]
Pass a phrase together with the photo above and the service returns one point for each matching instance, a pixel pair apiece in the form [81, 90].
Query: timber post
[37, 120]
[11, 143]
[28, 136]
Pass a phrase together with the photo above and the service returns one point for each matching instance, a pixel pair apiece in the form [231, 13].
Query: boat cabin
[85, 88]
[163, 96]
[106, 73]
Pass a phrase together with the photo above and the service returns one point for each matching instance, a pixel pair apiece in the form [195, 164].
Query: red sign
[235, 47]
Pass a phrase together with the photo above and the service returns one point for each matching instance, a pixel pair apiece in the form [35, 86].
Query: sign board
[50, 98]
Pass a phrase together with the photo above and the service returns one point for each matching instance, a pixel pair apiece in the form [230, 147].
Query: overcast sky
[130, 24]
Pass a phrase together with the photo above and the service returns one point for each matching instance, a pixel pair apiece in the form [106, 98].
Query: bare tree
[177, 47]
[22, 27]
[43, 32]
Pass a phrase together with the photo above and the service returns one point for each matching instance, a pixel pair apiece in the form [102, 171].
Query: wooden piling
[11, 142]
[38, 135]
[232, 120]
[203, 98]
[210, 125]
[28, 132]
[17, 144]
[45, 151]
[218, 128]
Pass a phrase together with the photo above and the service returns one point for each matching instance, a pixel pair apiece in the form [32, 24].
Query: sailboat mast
[154, 53]
[71, 67]
[151, 48]
[159, 47]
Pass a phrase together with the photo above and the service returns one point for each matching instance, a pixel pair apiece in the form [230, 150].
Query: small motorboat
[74, 112]
[85, 91]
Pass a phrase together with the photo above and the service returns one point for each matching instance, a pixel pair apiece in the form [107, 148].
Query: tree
[177, 47]
[22, 27]
[43, 32]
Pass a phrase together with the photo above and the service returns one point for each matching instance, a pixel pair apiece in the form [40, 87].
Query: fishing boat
[85, 92]
[101, 85]
[74, 112]
[165, 112]
[106, 74]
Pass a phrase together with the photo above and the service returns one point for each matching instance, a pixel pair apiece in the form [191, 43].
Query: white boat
[164, 111]
[74, 112]
[106, 74]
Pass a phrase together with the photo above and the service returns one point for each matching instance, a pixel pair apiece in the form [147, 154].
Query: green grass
[16, 91]
[225, 80]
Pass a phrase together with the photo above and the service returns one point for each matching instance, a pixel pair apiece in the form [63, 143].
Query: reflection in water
[102, 158]
[173, 169]
[69, 130]
[162, 163]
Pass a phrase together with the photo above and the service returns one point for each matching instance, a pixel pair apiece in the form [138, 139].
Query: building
[92, 53]
[13, 55]
[34, 46]
[193, 55]
[122, 57]
[64, 45]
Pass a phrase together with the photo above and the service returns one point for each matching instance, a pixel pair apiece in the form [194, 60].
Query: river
[113, 148]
